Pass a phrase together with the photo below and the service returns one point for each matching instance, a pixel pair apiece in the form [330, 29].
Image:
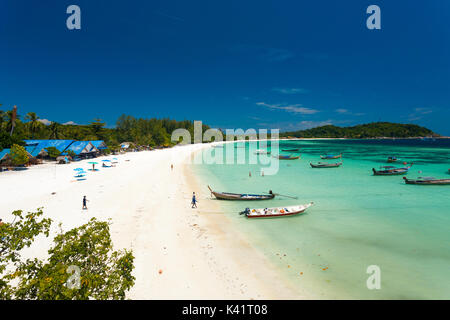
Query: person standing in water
[85, 203]
[194, 201]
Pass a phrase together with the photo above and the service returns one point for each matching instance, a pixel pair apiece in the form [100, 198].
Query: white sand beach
[180, 253]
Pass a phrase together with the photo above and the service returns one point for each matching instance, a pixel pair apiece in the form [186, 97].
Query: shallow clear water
[358, 219]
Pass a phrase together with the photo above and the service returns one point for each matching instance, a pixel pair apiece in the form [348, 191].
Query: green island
[364, 131]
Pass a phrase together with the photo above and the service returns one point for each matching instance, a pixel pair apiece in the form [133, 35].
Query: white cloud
[274, 54]
[45, 121]
[289, 126]
[69, 122]
[290, 90]
[293, 108]
[419, 113]
[303, 125]
[423, 110]
[348, 112]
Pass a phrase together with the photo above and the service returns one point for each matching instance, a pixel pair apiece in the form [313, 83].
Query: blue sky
[232, 64]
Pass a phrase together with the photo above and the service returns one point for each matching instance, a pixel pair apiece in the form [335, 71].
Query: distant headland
[374, 130]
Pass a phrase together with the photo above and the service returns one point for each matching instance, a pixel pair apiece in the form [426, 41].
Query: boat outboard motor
[246, 211]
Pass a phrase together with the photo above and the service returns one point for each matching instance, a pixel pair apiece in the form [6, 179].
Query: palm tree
[10, 122]
[54, 130]
[33, 124]
[2, 118]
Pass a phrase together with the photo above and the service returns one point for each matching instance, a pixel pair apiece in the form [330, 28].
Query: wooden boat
[428, 181]
[290, 150]
[390, 171]
[241, 196]
[331, 156]
[276, 212]
[262, 151]
[325, 165]
[392, 159]
[281, 157]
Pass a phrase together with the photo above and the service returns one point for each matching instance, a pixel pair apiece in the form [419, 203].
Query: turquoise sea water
[358, 219]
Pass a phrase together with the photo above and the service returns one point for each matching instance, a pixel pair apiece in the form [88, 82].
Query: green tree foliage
[33, 123]
[19, 155]
[104, 273]
[53, 152]
[371, 130]
[55, 131]
[70, 153]
[97, 130]
[6, 141]
[13, 238]
[152, 132]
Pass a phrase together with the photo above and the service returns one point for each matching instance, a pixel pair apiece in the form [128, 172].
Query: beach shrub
[71, 153]
[81, 264]
[19, 155]
[53, 152]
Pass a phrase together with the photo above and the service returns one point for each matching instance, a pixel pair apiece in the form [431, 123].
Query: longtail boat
[325, 165]
[281, 157]
[427, 181]
[390, 171]
[331, 156]
[290, 150]
[241, 196]
[276, 212]
[392, 159]
[262, 151]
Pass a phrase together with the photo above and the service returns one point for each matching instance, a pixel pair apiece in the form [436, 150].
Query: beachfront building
[99, 144]
[37, 147]
[4, 155]
[82, 149]
[126, 145]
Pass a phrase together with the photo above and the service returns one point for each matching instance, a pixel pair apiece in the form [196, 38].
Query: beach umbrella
[93, 164]
[78, 169]
[106, 160]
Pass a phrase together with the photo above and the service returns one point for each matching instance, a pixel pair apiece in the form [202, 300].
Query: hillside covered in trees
[152, 132]
[363, 131]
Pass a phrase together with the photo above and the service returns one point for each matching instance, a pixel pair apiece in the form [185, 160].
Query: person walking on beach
[194, 201]
[85, 203]
[171, 167]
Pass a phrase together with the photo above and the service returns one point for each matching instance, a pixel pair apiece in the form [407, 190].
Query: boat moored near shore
[241, 196]
[290, 157]
[390, 171]
[331, 156]
[427, 181]
[392, 159]
[325, 165]
[276, 212]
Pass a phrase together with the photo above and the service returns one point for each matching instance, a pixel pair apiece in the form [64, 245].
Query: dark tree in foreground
[81, 263]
